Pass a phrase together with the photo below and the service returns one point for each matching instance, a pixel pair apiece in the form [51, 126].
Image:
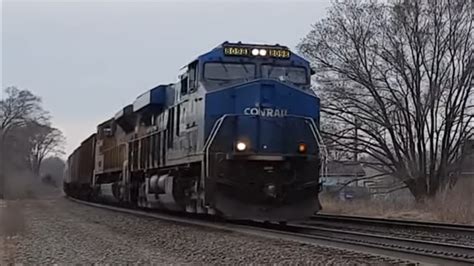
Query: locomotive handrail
[314, 129]
[211, 138]
[319, 139]
[218, 123]
[322, 149]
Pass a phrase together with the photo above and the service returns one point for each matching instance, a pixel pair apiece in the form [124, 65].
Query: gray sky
[88, 59]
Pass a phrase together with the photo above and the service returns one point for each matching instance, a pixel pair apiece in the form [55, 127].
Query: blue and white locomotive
[237, 136]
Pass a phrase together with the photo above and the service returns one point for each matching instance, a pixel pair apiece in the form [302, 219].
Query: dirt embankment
[12, 224]
[59, 231]
[21, 190]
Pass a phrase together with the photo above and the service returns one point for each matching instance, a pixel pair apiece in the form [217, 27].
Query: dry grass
[451, 206]
[456, 205]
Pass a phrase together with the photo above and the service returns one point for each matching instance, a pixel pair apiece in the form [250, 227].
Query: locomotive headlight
[270, 190]
[262, 52]
[302, 148]
[255, 52]
[241, 146]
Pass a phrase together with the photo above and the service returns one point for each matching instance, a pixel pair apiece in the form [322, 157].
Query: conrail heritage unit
[237, 136]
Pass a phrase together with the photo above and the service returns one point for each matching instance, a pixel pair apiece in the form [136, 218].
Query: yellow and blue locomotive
[237, 136]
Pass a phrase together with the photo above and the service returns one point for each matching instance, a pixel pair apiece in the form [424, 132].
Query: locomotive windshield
[229, 71]
[219, 73]
[296, 75]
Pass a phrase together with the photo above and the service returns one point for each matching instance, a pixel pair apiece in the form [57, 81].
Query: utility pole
[356, 139]
[2, 150]
[2, 176]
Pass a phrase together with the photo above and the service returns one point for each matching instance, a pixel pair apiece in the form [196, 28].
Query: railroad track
[406, 250]
[395, 224]
[440, 240]
[425, 231]
[413, 249]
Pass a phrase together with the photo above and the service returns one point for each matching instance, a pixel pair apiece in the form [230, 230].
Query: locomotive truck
[237, 136]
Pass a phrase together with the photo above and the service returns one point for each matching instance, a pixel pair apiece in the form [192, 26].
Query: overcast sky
[88, 59]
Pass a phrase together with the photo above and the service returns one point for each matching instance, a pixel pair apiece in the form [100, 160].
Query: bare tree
[399, 74]
[44, 141]
[336, 152]
[19, 107]
[25, 132]
[16, 109]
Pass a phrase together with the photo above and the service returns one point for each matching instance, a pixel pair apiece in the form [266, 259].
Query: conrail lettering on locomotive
[268, 112]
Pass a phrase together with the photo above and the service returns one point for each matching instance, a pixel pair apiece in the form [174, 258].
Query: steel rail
[452, 253]
[396, 223]
[401, 249]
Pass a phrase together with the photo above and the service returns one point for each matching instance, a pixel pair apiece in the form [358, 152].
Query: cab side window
[192, 75]
[184, 85]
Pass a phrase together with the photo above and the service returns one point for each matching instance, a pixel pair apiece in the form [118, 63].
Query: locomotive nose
[262, 148]
[265, 121]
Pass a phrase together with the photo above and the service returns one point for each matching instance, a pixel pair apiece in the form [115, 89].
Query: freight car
[80, 169]
[236, 136]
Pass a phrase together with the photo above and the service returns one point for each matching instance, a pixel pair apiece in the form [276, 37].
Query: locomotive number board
[248, 51]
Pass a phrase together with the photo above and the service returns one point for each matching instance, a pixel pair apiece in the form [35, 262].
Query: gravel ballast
[56, 230]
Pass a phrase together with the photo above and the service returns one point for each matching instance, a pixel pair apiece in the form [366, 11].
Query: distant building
[385, 186]
[340, 172]
[351, 179]
[342, 180]
[348, 180]
[467, 165]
